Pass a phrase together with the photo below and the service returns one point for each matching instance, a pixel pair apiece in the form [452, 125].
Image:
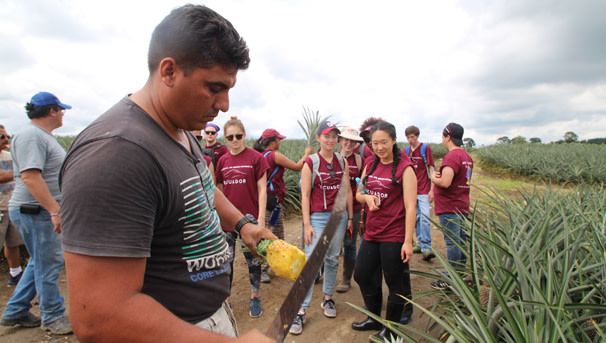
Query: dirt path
[317, 329]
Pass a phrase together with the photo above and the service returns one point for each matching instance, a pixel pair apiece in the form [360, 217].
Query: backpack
[423, 155]
[272, 200]
[361, 150]
[315, 162]
[269, 183]
[210, 152]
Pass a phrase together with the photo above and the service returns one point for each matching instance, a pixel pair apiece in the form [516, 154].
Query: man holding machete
[145, 255]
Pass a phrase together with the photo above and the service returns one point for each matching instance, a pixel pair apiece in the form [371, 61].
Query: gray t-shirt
[130, 190]
[34, 148]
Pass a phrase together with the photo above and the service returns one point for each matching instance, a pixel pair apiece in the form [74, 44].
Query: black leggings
[385, 257]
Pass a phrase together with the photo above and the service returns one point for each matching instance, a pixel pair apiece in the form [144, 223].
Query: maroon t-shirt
[354, 172]
[367, 151]
[279, 187]
[324, 184]
[239, 174]
[455, 199]
[207, 159]
[423, 181]
[388, 223]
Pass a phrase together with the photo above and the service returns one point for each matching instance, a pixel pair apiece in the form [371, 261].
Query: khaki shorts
[222, 322]
[9, 235]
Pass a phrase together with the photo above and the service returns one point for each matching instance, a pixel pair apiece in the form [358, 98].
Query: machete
[283, 320]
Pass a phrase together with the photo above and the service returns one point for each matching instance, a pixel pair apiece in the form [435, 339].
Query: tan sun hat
[350, 133]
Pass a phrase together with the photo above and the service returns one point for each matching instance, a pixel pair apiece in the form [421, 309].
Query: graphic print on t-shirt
[204, 246]
[378, 186]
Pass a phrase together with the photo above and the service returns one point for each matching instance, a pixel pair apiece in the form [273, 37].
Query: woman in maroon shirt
[241, 175]
[391, 199]
[318, 194]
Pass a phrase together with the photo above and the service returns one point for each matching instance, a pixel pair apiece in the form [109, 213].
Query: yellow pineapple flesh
[285, 259]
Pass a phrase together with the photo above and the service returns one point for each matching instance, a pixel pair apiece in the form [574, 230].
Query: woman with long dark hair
[390, 196]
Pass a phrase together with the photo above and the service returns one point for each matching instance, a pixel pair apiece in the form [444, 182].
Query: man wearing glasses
[9, 236]
[146, 258]
[34, 210]
[212, 148]
[451, 196]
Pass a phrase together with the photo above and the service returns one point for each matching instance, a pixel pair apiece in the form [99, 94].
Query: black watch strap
[248, 218]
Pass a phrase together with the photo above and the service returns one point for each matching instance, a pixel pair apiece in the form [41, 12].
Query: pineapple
[285, 260]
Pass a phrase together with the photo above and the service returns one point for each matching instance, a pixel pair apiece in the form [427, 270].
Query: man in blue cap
[34, 210]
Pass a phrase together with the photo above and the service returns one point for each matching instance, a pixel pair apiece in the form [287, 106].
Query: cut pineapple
[285, 259]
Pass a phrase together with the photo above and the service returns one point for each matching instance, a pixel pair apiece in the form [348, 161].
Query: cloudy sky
[499, 68]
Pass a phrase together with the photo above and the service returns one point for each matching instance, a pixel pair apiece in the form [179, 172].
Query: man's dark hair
[197, 37]
[412, 130]
[40, 112]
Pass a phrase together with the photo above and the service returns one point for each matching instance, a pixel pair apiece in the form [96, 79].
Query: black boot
[392, 313]
[373, 305]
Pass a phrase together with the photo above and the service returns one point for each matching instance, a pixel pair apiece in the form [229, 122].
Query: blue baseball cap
[45, 98]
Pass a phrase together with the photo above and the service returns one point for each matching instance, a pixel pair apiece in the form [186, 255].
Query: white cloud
[498, 68]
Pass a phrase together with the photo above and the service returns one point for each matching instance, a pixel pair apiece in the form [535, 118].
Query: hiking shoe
[416, 249]
[439, 284]
[255, 307]
[265, 277]
[297, 325]
[13, 280]
[28, 321]
[60, 326]
[428, 255]
[330, 310]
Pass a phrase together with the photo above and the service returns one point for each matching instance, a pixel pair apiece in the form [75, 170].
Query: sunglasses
[332, 172]
[210, 132]
[199, 138]
[3, 136]
[447, 131]
[231, 137]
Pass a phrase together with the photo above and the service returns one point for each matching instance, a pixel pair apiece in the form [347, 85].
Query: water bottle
[273, 219]
[363, 190]
[361, 186]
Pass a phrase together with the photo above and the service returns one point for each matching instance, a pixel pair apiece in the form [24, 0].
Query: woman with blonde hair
[241, 175]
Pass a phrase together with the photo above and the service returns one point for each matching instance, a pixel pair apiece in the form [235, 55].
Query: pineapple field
[537, 248]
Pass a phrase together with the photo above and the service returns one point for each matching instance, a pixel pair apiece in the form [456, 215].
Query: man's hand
[252, 234]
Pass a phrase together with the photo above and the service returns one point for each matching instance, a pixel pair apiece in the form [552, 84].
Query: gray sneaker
[265, 277]
[297, 326]
[330, 310]
[28, 321]
[60, 326]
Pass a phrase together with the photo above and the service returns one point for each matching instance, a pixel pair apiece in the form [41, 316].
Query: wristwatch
[248, 218]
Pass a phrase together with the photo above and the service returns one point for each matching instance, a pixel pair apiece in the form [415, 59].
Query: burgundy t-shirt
[328, 185]
[354, 172]
[239, 174]
[279, 187]
[423, 181]
[455, 199]
[367, 151]
[208, 160]
[388, 223]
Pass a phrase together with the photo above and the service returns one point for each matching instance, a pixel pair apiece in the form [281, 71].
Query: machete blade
[285, 316]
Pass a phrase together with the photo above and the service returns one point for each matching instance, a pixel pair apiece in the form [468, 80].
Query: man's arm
[106, 305]
[6, 176]
[230, 216]
[443, 179]
[32, 178]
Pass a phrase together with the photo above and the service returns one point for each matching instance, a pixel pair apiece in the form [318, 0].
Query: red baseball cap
[270, 133]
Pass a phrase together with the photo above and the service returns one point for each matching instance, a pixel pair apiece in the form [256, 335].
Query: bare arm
[262, 191]
[110, 288]
[6, 176]
[251, 234]
[409, 187]
[285, 162]
[306, 184]
[367, 199]
[32, 178]
[443, 179]
[350, 212]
